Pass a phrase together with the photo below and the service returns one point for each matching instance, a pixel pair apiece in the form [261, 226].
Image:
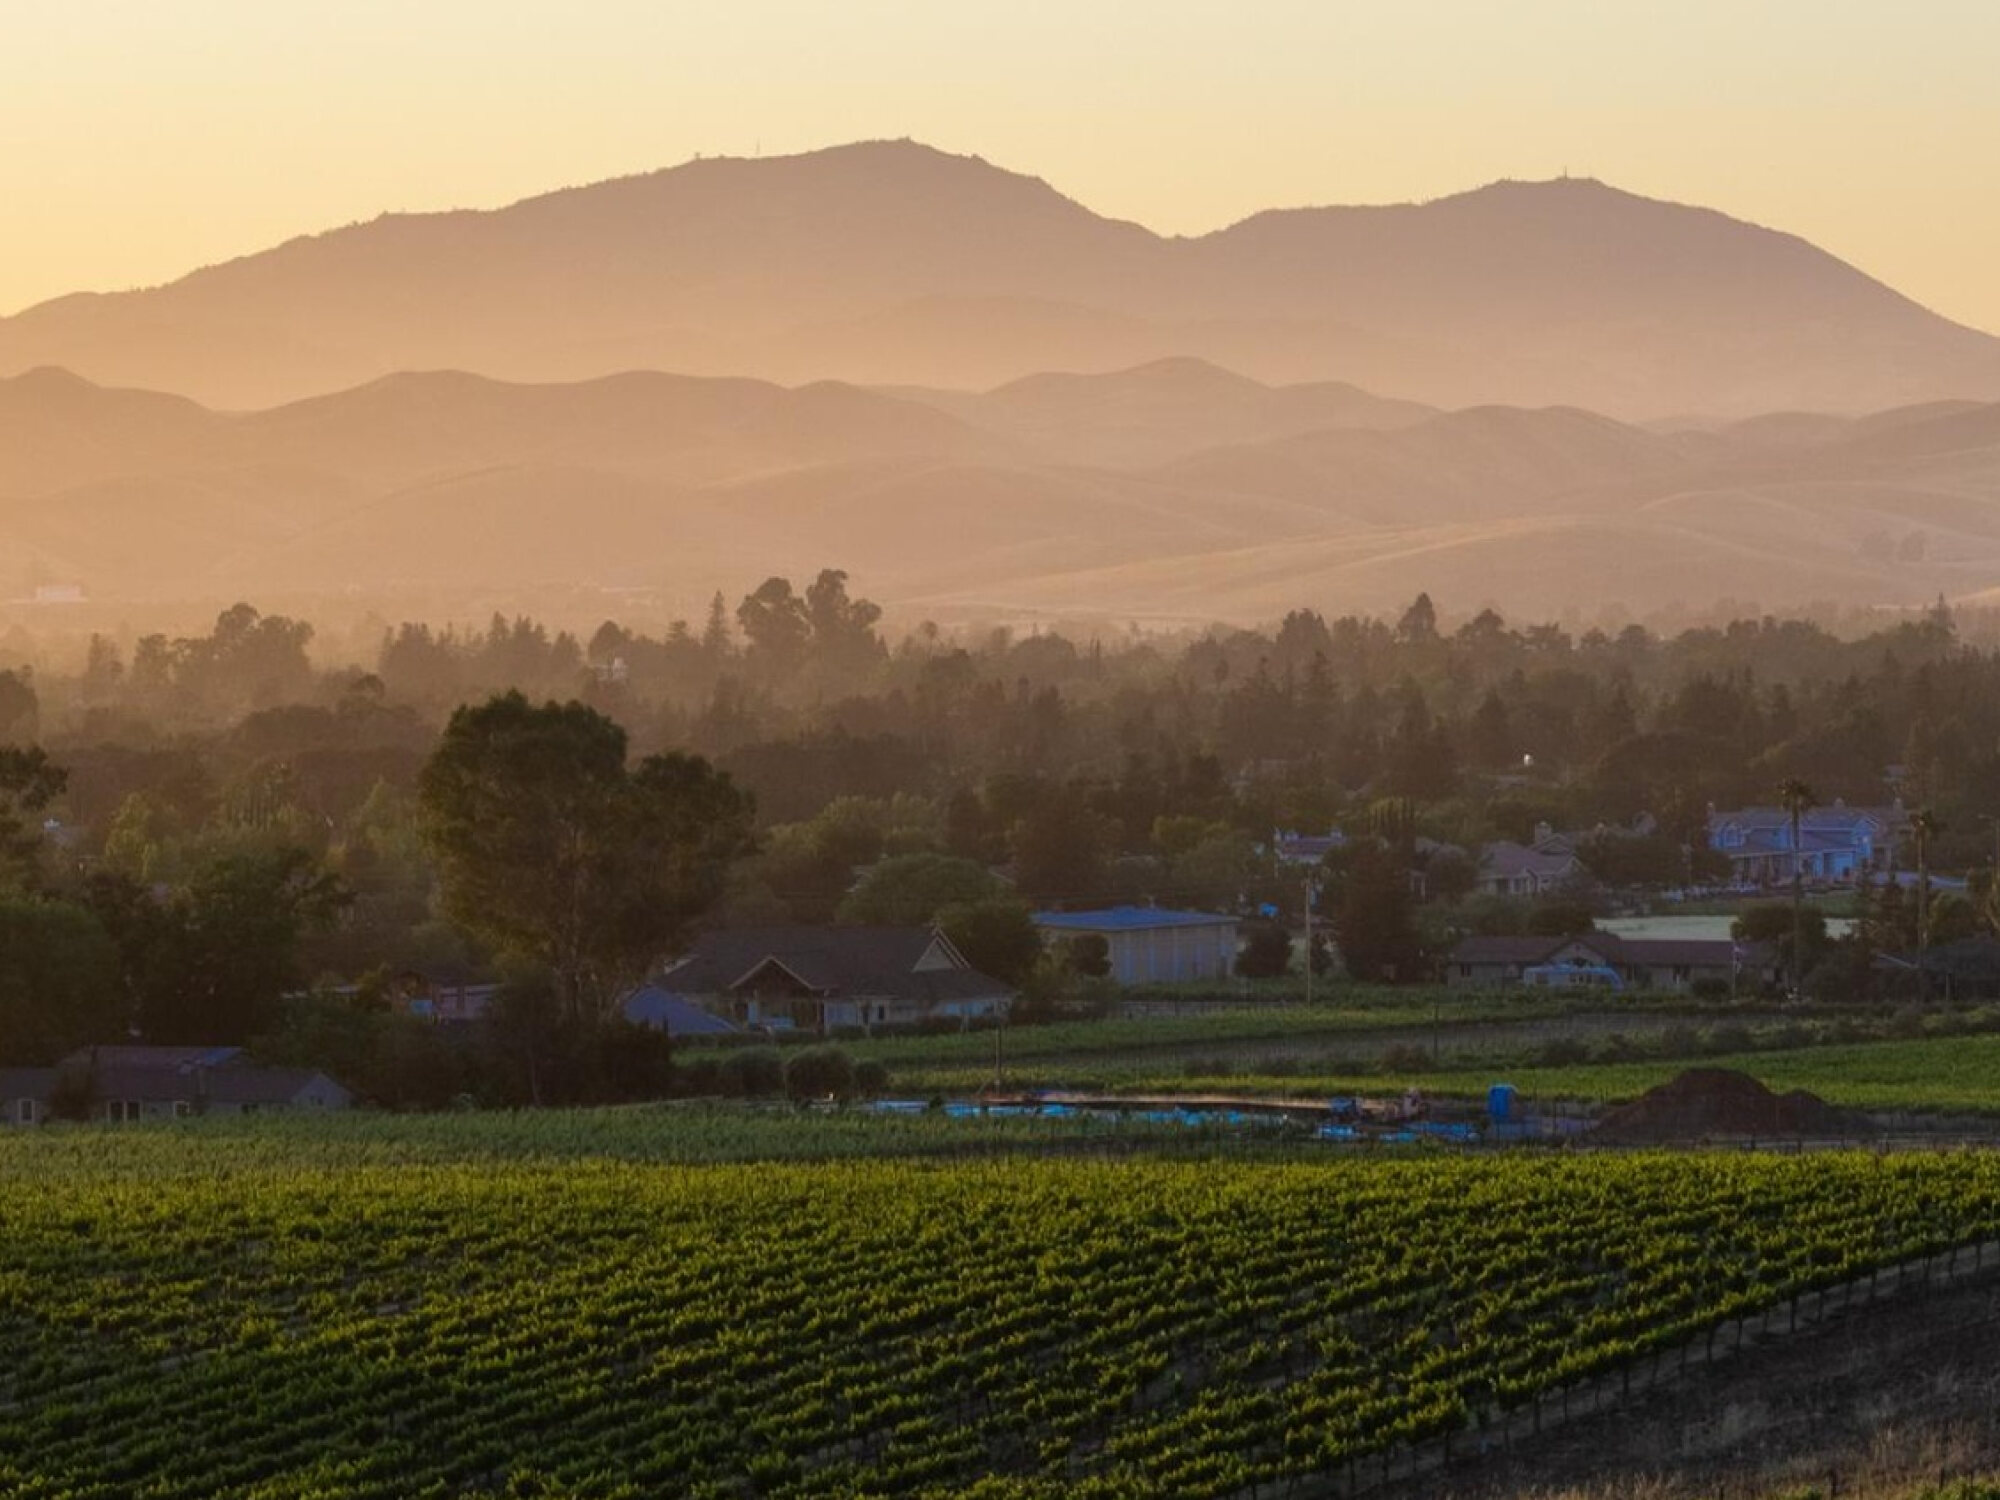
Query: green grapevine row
[294, 1324]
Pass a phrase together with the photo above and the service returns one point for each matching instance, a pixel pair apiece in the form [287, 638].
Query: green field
[1145, 1047]
[1948, 1074]
[1121, 1042]
[651, 1302]
[1935, 1074]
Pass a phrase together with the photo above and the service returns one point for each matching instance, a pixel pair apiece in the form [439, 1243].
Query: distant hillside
[1161, 411]
[1177, 491]
[892, 264]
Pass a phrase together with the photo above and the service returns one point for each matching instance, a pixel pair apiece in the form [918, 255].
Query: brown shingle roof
[842, 961]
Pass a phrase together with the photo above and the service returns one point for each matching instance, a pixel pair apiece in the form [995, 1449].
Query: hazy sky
[140, 138]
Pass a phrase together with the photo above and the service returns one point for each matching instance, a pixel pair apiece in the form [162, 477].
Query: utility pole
[1797, 798]
[1924, 824]
[1309, 942]
[1992, 903]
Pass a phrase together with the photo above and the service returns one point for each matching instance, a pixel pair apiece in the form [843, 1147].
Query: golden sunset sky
[142, 138]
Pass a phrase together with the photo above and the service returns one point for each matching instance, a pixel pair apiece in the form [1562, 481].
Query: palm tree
[1924, 826]
[1796, 798]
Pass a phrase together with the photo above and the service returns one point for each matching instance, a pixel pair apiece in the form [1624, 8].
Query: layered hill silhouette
[892, 264]
[1171, 491]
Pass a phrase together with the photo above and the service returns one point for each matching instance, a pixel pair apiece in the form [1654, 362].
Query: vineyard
[242, 1313]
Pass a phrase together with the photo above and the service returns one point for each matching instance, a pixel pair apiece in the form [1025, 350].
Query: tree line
[218, 821]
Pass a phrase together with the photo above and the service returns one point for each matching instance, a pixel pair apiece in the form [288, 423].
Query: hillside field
[712, 1303]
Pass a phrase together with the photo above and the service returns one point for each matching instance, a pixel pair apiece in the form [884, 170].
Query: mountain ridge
[893, 263]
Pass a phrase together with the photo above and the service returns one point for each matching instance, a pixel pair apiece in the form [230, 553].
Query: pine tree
[715, 637]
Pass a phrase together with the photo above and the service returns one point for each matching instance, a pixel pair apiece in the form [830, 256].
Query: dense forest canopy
[802, 694]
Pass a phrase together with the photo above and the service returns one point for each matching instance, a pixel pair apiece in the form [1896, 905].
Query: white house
[1151, 946]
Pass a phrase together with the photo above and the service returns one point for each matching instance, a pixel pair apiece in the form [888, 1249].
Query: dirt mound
[1715, 1102]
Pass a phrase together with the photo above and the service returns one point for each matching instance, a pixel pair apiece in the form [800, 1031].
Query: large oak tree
[552, 849]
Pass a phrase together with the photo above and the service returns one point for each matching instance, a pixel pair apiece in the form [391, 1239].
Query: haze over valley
[988, 401]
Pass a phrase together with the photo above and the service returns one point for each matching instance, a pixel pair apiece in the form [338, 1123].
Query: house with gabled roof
[1607, 960]
[822, 979]
[1836, 843]
[1510, 869]
[119, 1084]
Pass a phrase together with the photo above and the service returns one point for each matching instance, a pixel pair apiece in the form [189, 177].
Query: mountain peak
[891, 262]
[870, 172]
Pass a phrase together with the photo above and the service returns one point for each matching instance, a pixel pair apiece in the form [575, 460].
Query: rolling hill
[1178, 492]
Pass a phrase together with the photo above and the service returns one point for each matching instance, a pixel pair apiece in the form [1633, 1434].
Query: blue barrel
[1500, 1103]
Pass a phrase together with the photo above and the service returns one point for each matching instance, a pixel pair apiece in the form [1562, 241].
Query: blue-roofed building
[1149, 945]
[676, 1015]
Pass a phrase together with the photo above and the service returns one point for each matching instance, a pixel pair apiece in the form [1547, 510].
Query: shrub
[1407, 1057]
[754, 1073]
[1833, 984]
[819, 1073]
[1563, 1052]
[1907, 1022]
[1267, 951]
[1089, 955]
[1680, 1041]
[1618, 1047]
[871, 1079]
[1710, 987]
[698, 1077]
[1207, 1067]
[1727, 1039]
